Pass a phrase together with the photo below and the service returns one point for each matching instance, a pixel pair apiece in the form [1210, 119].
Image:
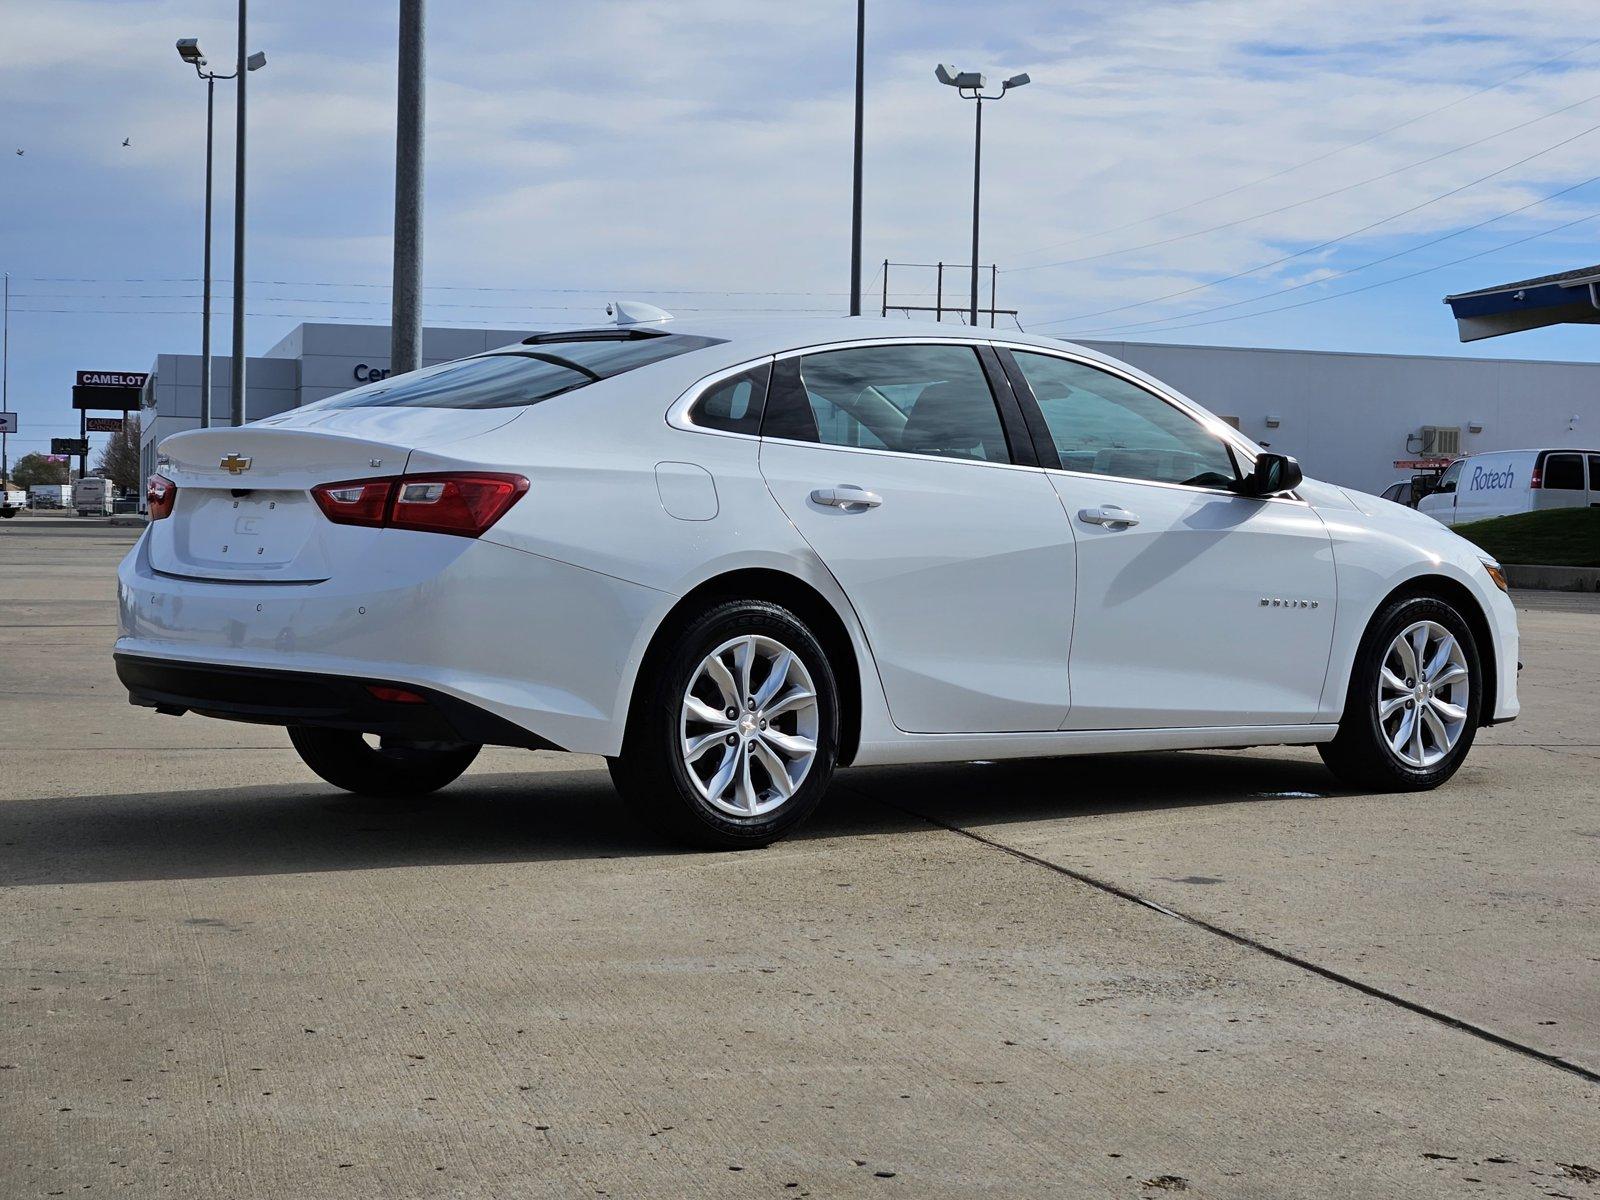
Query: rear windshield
[525, 375]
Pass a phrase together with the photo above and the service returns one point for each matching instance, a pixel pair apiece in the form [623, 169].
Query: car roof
[742, 338]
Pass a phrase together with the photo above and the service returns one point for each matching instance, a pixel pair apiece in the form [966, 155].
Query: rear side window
[927, 399]
[1563, 473]
[1594, 472]
[733, 405]
[518, 377]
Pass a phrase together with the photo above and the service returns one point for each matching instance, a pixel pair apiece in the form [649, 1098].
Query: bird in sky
[127, 141]
[20, 152]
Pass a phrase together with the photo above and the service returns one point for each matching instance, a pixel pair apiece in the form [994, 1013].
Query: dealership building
[1347, 417]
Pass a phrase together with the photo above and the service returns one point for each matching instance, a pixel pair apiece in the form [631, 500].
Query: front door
[1195, 606]
[893, 463]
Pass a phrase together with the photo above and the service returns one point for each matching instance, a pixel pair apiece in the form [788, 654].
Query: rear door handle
[847, 495]
[1113, 516]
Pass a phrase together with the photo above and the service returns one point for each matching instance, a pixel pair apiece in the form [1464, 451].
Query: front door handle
[1112, 516]
[847, 495]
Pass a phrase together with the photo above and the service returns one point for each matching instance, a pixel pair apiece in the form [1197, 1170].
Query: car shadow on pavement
[559, 815]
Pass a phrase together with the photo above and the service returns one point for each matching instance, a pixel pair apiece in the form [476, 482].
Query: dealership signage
[366, 374]
[103, 424]
[8, 422]
[108, 389]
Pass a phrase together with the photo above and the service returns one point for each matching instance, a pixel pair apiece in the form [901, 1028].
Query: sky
[1225, 172]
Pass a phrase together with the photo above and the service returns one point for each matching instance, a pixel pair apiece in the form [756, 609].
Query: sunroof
[594, 335]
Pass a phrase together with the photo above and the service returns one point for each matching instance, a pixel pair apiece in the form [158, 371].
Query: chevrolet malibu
[731, 557]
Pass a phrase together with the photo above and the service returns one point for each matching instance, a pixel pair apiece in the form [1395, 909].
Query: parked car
[1404, 491]
[12, 501]
[91, 496]
[732, 556]
[1502, 482]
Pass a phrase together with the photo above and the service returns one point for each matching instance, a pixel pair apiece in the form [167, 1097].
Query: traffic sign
[105, 424]
[8, 422]
[69, 446]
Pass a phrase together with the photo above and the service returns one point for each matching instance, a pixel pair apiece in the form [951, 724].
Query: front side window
[931, 399]
[542, 368]
[1104, 425]
[1451, 476]
[1563, 473]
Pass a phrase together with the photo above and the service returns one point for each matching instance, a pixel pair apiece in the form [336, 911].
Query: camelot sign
[118, 390]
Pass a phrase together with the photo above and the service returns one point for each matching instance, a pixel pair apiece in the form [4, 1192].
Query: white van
[1503, 482]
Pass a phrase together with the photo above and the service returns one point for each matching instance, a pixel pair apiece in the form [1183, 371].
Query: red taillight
[160, 494]
[1536, 480]
[465, 504]
[358, 502]
[394, 695]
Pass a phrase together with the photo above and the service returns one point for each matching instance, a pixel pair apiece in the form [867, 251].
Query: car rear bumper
[268, 697]
[540, 644]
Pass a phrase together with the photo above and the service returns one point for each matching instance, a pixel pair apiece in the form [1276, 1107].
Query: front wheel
[733, 740]
[1416, 690]
[347, 760]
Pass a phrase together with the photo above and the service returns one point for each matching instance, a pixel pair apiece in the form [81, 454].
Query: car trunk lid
[244, 509]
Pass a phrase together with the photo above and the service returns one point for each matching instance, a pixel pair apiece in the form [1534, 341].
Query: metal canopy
[1568, 298]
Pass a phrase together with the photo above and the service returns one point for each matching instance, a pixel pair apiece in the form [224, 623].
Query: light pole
[970, 85]
[189, 51]
[855, 205]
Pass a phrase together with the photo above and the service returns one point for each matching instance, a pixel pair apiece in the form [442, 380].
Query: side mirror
[1272, 475]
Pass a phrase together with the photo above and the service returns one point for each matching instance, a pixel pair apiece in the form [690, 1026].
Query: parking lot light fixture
[970, 85]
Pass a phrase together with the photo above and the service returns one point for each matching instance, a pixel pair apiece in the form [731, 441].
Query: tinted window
[524, 376]
[1397, 492]
[1563, 472]
[1451, 476]
[733, 404]
[916, 399]
[1103, 425]
[1594, 472]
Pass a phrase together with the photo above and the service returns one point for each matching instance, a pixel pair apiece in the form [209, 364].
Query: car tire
[1379, 746]
[705, 745]
[343, 758]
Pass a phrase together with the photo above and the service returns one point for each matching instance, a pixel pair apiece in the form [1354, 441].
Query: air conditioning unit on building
[1441, 441]
[1231, 421]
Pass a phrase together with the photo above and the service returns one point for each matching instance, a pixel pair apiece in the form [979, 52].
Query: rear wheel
[371, 766]
[733, 741]
[1415, 694]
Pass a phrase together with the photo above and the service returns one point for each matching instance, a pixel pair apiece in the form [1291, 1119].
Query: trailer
[91, 496]
[50, 495]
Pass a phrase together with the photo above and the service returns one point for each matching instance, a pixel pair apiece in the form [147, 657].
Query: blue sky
[698, 154]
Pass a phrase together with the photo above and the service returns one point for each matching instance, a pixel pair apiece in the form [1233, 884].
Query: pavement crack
[1242, 939]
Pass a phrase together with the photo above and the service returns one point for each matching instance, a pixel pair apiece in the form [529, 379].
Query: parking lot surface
[1212, 974]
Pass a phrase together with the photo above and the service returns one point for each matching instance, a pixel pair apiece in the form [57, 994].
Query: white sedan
[732, 556]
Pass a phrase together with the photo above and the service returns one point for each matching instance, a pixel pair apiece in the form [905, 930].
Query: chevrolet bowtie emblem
[235, 464]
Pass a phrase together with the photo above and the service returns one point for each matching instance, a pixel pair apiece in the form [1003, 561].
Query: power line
[1372, 137]
[1296, 287]
[442, 287]
[1182, 237]
[1354, 291]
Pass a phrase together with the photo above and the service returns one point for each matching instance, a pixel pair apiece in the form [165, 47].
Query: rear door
[1562, 483]
[1195, 606]
[901, 470]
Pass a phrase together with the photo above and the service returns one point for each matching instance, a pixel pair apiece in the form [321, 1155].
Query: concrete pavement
[220, 977]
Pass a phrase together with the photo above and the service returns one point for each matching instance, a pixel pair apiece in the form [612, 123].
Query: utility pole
[237, 399]
[855, 213]
[5, 382]
[405, 334]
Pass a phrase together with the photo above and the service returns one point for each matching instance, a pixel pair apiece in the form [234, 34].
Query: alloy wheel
[748, 727]
[1423, 694]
